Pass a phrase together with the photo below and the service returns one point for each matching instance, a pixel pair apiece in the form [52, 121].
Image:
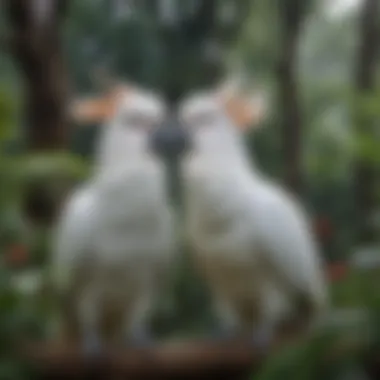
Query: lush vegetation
[138, 45]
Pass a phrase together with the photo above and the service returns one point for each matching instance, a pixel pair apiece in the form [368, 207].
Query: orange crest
[245, 112]
[97, 109]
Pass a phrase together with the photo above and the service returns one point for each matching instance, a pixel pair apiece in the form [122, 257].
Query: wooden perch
[183, 360]
[175, 360]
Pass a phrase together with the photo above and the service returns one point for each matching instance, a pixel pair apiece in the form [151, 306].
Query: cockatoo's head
[216, 120]
[130, 116]
[138, 114]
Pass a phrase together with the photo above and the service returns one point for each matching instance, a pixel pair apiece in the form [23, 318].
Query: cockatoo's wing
[72, 238]
[288, 245]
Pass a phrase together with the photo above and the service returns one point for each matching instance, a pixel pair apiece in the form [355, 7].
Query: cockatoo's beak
[171, 140]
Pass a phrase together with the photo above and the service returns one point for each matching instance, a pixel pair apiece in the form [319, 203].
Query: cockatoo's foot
[263, 338]
[92, 347]
[223, 334]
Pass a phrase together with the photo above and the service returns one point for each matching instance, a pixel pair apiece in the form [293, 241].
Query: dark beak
[171, 140]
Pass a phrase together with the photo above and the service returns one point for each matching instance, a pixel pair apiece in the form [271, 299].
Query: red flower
[17, 255]
[337, 271]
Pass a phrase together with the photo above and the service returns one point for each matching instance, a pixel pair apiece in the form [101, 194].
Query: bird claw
[92, 347]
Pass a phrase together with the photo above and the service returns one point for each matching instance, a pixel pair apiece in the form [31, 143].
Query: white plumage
[115, 238]
[251, 240]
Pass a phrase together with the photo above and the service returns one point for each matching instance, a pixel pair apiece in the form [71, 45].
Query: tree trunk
[36, 47]
[35, 44]
[365, 82]
[291, 23]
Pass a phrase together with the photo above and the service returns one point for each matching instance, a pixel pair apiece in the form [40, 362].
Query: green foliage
[48, 167]
[7, 114]
[299, 361]
[140, 49]
[18, 320]
[258, 45]
[337, 350]
[19, 173]
[365, 112]
[128, 43]
[23, 316]
[57, 173]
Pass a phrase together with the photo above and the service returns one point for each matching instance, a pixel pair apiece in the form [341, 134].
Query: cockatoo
[114, 242]
[251, 240]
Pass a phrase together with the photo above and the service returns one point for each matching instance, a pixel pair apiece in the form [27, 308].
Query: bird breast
[129, 218]
[219, 217]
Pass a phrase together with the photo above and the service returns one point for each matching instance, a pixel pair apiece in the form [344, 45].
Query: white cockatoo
[250, 239]
[115, 241]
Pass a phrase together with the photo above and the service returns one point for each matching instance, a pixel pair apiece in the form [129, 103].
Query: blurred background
[316, 61]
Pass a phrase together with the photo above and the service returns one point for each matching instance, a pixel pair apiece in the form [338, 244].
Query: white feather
[251, 239]
[115, 237]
